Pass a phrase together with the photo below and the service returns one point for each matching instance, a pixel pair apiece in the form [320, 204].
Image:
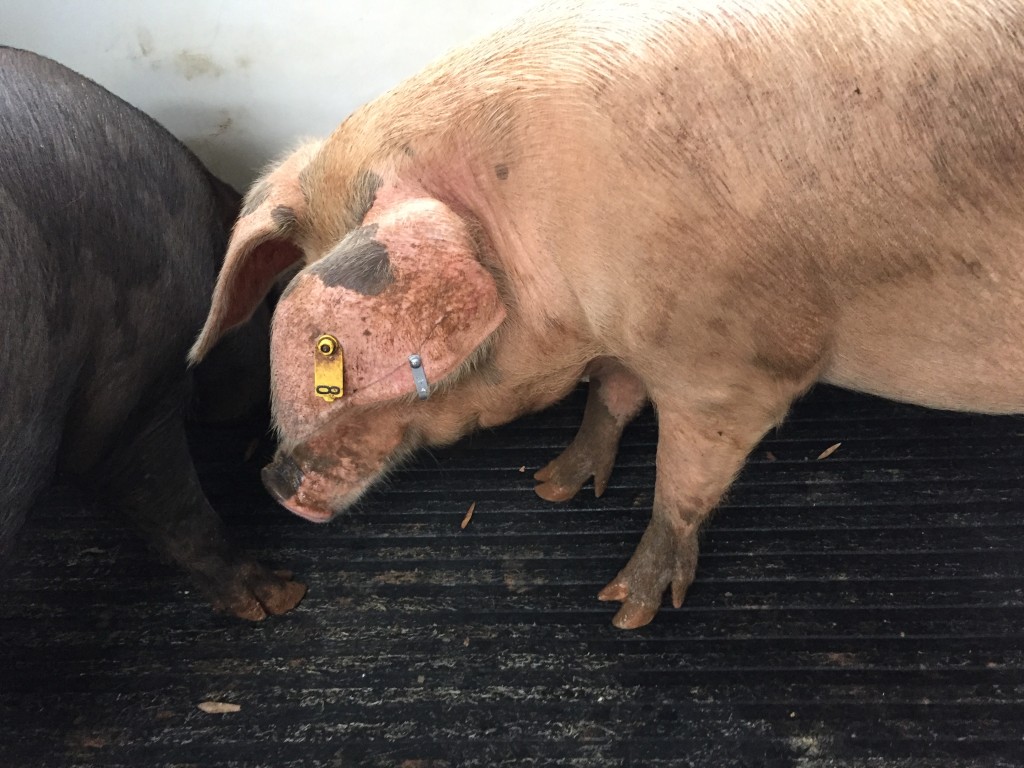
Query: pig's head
[398, 307]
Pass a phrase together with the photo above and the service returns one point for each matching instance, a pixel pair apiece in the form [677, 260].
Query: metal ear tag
[419, 377]
[328, 368]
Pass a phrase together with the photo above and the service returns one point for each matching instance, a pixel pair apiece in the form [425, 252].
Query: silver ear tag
[419, 377]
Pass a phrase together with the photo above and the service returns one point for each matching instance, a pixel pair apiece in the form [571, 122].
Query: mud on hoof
[563, 477]
[664, 558]
[253, 592]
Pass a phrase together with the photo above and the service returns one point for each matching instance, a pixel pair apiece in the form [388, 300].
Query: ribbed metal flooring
[862, 610]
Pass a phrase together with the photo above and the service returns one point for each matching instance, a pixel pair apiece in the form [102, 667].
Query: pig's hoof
[637, 608]
[255, 593]
[663, 559]
[563, 478]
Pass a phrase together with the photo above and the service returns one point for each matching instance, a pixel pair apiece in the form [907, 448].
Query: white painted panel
[241, 80]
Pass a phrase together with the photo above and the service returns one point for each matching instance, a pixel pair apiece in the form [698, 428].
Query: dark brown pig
[710, 204]
[111, 235]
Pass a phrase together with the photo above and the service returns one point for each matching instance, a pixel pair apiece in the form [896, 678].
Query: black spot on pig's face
[501, 171]
[359, 263]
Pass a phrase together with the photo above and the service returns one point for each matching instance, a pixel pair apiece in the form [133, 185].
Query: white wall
[241, 80]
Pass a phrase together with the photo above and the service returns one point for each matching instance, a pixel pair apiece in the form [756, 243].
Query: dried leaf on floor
[828, 451]
[218, 707]
[469, 516]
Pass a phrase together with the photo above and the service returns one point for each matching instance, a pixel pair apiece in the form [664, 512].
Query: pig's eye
[327, 345]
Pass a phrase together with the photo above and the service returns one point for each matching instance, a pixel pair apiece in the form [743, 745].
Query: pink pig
[712, 204]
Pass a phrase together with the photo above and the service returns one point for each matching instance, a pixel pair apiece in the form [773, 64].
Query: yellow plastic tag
[328, 368]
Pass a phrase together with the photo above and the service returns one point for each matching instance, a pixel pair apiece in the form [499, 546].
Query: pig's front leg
[699, 452]
[614, 398]
[152, 479]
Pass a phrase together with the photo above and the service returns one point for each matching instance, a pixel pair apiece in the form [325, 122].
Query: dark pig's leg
[152, 479]
[32, 406]
[28, 449]
[614, 399]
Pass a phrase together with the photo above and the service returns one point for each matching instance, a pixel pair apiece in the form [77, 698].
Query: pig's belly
[957, 346]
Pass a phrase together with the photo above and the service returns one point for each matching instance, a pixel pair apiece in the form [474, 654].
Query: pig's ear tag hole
[328, 368]
[419, 377]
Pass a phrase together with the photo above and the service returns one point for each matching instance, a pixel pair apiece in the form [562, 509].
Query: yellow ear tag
[328, 368]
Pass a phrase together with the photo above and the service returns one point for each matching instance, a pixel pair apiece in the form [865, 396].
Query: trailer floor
[865, 609]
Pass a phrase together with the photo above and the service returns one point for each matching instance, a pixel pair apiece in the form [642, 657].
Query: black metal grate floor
[862, 610]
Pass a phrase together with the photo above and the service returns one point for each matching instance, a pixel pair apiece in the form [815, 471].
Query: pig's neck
[541, 351]
[522, 375]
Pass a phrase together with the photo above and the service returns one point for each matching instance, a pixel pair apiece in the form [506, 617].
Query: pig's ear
[449, 302]
[408, 282]
[262, 246]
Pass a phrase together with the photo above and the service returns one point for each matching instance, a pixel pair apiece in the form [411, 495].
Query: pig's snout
[282, 477]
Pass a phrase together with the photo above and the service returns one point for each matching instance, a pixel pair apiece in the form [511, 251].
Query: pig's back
[853, 166]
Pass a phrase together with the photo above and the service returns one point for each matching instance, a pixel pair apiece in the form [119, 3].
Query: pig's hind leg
[614, 398]
[152, 479]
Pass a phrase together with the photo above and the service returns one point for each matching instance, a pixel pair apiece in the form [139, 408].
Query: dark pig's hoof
[254, 592]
